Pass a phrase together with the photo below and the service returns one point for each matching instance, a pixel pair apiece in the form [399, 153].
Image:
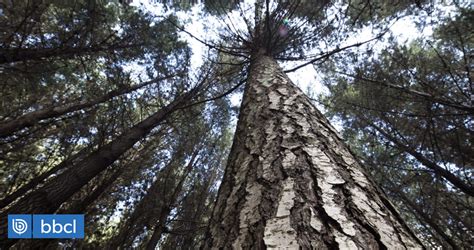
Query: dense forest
[126, 112]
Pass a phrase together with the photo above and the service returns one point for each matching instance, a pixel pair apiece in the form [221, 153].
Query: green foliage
[67, 54]
[362, 12]
[56, 54]
[62, 79]
[408, 108]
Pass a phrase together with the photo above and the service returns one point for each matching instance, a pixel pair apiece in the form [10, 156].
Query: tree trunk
[188, 226]
[40, 178]
[77, 207]
[452, 178]
[154, 208]
[166, 209]
[49, 197]
[425, 219]
[291, 183]
[27, 120]
[27, 54]
[80, 206]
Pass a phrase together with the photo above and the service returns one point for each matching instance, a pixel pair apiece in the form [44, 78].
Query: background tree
[407, 111]
[107, 92]
[80, 133]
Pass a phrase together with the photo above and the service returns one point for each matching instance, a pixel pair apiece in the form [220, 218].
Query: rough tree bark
[291, 182]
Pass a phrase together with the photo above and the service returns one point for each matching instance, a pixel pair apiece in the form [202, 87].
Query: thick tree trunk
[292, 183]
[49, 197]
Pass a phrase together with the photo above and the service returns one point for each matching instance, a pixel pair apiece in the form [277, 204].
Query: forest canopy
[125, 111]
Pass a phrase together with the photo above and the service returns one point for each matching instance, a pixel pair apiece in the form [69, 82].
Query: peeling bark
[292, 183]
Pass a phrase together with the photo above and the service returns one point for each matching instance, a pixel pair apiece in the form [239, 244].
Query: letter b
[43, 225]
[58, 225]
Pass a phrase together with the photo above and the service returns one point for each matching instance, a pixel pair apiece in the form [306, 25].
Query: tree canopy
[103, 112]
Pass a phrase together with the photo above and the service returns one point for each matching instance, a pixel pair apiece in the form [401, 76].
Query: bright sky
[204, 27]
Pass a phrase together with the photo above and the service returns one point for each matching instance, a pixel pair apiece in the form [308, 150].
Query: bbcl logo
[57, 228]
[41, 226]
[19, 226]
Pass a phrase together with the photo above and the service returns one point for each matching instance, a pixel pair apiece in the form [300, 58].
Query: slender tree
[32, 118]
[157, 203]
[49, 197]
